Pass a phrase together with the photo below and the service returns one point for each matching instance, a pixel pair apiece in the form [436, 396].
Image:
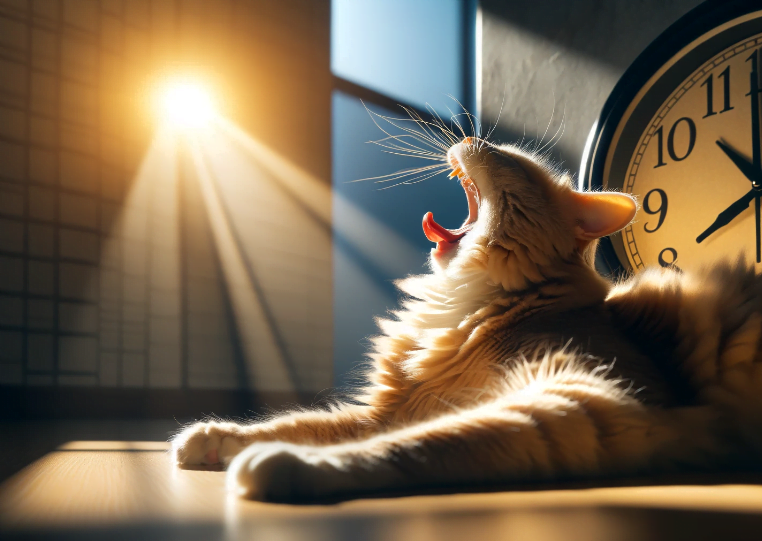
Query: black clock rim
[684, 31]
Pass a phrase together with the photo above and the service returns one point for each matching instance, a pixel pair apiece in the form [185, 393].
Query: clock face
[684, 179]
[688, 146]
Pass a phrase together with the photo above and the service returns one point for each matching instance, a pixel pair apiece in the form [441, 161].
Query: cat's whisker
[446, 130]
[547, 147]
[414, 155]
[536, 133]
[420, 136]
[415, 176]
[429, 139]
[499, 114]
[561, 128]
[394, 176]
[409, 151]
[414, 117]
[413, 181]
[406, 136]
[453, 139]
[430, 158]
[454, 118]
[435, 126]
[418, 175]
[428, 127]
[523, 136]
[437, 170]
[409, 145]
[470, 117]
[552, 112]
[401, 145]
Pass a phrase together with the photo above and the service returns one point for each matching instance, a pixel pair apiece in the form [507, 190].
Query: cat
[515, 360]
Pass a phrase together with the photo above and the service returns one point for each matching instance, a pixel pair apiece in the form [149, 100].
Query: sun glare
[185, 104]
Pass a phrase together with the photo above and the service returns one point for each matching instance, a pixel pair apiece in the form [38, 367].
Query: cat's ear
[597, 214]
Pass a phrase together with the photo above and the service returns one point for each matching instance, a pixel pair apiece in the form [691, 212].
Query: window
[384, 53]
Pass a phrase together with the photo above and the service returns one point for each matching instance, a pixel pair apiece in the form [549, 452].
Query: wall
[124, 257]
[555, 54]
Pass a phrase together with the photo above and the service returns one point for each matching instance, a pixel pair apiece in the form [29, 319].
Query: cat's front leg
[211, 442]
[284, 472]
[536, 434]
[218, 442]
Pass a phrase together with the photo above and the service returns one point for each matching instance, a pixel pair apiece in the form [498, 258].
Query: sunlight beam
[265, 361]
[317, 196]
[141, 271]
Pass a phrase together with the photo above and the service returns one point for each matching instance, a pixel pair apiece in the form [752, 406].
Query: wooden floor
[129, 490]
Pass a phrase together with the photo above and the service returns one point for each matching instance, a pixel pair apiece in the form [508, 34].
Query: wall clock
[682, 132]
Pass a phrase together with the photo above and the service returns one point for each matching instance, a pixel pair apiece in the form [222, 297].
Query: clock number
[673, 258]
[725, 75]
[691, 139]
[671, 141]
[725, 90]
[660, 147]
[661, 210]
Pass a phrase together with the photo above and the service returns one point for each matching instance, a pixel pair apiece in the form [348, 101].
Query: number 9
[661, 210]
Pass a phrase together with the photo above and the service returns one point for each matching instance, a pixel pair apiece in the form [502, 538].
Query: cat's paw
[283, 472]
[208, 443]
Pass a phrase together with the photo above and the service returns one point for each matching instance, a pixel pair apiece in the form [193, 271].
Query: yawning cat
[514, 360]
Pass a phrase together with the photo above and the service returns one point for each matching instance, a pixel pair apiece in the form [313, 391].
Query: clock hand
[754, 83]
[727, 215]
[754, 174]
[756, 212]
[754, 95]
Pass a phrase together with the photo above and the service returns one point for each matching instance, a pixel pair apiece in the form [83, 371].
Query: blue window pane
[413, 51]
[377, 232]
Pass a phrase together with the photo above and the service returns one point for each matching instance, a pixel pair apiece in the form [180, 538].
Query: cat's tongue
[436, 233]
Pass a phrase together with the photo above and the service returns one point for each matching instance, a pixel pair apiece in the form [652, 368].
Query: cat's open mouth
[447, 239]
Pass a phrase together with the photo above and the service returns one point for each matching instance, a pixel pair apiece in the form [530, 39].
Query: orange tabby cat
[515, 360]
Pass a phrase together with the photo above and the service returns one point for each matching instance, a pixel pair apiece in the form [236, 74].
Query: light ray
[315, 195]
[266, 364]
[140, 262]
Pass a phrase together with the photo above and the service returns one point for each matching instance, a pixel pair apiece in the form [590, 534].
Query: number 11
[710, 93]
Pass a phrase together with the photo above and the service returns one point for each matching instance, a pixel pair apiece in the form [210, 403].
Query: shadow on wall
[609, 32]
[553, 62]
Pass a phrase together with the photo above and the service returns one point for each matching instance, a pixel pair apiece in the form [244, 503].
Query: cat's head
[524, 215]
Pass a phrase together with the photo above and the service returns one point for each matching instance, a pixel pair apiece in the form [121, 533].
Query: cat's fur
[515, 360]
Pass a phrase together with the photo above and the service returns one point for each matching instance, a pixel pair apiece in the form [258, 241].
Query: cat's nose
[471, 142]
[466, 147]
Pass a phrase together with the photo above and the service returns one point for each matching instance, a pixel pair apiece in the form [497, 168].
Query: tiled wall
[108, 278]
